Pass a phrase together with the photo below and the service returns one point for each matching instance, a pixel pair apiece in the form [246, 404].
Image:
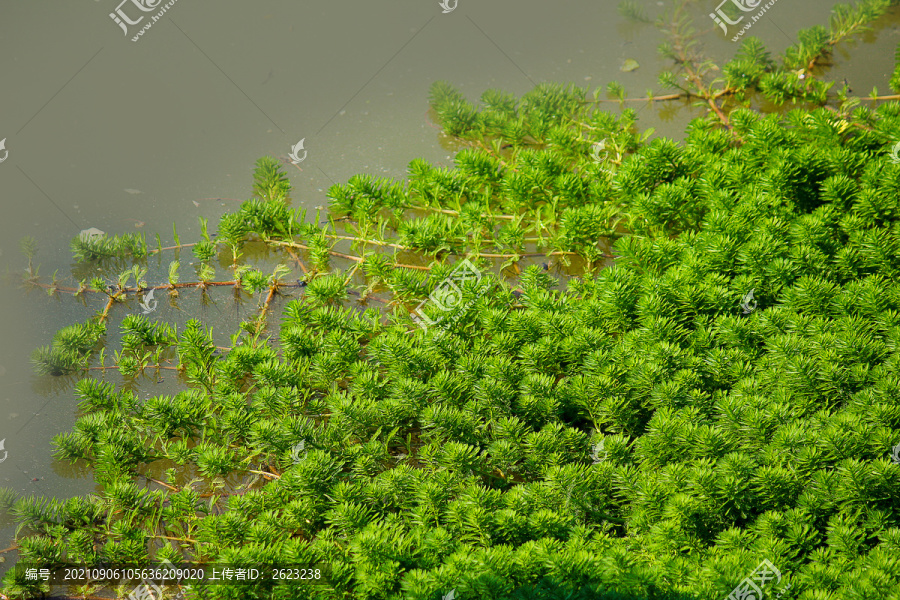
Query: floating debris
[91, 234]
[629, 65]
[133, 191]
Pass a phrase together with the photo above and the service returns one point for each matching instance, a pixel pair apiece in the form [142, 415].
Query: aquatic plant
[658, 364]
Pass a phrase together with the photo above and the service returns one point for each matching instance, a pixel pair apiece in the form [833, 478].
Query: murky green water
[123, 136]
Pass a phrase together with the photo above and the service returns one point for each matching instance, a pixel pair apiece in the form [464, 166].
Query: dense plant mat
[577, 365]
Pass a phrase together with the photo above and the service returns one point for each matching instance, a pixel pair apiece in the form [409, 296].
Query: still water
[131, 136]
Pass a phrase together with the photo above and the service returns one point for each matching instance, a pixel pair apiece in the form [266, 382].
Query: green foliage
[28, 246]
[269, 180]
[71, 346]
[749, 64]
[726, 390]
[327, 289]
[264, 217]
[204, 250]
[102, 247]
[895, 76]
[633, 11]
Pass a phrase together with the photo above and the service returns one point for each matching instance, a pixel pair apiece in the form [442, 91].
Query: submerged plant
[593, 407]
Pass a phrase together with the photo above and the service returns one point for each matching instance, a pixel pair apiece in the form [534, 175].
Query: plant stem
[653, 99]
[265, 474]
[178, 247]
